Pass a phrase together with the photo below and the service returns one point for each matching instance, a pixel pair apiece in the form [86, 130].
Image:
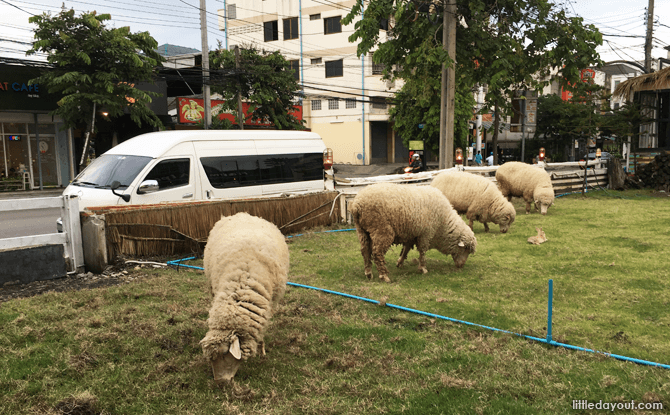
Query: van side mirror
[148, 186]
[115, 185]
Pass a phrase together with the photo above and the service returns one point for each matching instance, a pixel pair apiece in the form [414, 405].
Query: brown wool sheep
[246, 264]
[524, 180]
[386, 214]
[477, 197]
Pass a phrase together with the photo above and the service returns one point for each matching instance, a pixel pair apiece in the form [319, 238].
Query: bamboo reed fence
[178, 228]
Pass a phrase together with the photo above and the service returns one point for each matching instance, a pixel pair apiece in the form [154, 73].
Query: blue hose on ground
[424, 313]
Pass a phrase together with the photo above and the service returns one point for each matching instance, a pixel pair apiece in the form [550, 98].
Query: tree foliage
[508, 45]
[586, 115]
[95, 64]
[266, 81]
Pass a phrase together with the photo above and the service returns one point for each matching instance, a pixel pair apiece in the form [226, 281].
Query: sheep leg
[403, 255]
[528, 197]
[422, 246]
[262, 348]
[366, 251]
[382, 239]
[486, 227]
[471, 223]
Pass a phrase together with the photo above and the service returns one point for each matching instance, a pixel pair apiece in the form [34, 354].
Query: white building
[345, 98]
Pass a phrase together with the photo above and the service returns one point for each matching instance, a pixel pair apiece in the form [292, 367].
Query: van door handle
[187, 195]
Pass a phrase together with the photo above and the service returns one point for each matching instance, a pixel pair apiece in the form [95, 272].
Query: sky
[177, 22]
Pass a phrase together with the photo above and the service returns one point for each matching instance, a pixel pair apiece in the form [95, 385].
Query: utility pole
[205, 65]
[650, 31]
[240, 114]
[448, 94]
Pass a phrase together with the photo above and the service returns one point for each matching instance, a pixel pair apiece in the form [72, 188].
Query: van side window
[287, 168]
[171, 173]
[234, 171]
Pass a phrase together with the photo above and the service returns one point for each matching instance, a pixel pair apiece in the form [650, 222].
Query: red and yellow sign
[192, 111]
[587, 75]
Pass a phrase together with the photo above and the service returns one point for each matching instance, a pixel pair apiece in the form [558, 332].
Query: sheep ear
[235, 349]
[461, 244]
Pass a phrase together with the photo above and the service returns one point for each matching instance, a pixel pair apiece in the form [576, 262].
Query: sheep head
[544, 197]
[224, 354]
[463, 250]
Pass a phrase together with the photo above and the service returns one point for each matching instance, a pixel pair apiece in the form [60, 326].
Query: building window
[316, 61]
[270, 31]
[378, 103]
[350, 103]
[377, 68]
[291, 28]
[332, 25]
[384, 24]
[295, 67]
[315, 16]
[316, 105]
[334, 104]
[232, 12]
[334, 69]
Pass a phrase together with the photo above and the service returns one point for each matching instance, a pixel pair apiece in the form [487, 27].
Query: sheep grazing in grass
[523, 180]
[386, 214]
[246, 264]
[477, 197]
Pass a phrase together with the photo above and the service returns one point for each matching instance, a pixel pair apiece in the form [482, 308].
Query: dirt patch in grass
[114, 275]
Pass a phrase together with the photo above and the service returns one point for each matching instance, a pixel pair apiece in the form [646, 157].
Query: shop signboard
[192, 111]
[18, 94]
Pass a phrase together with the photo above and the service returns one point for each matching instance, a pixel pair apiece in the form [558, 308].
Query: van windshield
[110, 167]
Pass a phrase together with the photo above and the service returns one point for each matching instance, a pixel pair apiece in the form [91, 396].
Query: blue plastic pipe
[549, 309]
[548, 340]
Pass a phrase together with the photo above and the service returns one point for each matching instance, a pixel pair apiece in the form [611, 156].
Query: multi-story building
[346, 101]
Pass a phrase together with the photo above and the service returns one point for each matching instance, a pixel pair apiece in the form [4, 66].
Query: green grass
[133, 349]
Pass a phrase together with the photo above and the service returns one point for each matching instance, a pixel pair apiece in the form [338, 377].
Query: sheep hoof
[384, 278]
[399, 264]
[423, 270]
[369, 276]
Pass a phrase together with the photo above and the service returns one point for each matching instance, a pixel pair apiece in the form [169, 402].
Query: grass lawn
[133, 348]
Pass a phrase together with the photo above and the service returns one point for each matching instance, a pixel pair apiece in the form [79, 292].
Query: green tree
[94, 64]
[509, 45]
[418, 102]
[624, 123]
[266, 82]
[560, 123]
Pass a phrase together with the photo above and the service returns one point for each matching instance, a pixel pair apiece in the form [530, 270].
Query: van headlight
[59, 225]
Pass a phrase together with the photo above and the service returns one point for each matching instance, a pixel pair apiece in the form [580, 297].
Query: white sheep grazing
[246, 264]
[477, 197]
[523, 180]
[386, 214]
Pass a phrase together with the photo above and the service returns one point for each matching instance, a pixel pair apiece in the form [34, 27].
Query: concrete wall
[345, 138]
[36, 263]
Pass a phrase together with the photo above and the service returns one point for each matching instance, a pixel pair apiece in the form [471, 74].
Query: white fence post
[70, 238]
[72, 228]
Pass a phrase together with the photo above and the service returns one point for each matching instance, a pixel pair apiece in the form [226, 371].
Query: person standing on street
[489, 159]
[478, 158]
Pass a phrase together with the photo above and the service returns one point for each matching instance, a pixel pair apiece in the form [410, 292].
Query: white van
[191, 165]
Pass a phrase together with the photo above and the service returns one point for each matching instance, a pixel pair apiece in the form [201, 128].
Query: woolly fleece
[386, 214]
[477, 197]
[524, 180]
[246, 263]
